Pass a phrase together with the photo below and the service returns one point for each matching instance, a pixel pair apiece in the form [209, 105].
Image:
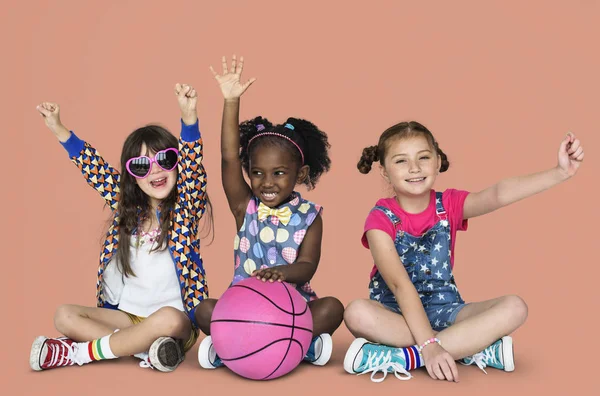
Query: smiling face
[411, 165]
[159, 183]
[273, 174]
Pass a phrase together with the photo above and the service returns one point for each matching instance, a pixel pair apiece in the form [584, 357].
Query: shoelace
[484, 358]
[383, 362]
[71, 354]
[478, 359]
[145, 363]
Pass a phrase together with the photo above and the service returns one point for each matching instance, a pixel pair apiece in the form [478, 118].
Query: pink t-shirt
[418, 224]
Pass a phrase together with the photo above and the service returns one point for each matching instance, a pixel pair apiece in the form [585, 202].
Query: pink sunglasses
[139, 167]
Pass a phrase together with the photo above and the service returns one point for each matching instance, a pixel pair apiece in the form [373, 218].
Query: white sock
[94, 350]
[105, 345]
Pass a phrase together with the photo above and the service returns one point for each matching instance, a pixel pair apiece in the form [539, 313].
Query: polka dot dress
[269, 243]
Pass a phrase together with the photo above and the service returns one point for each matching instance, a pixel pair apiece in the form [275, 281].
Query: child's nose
[414, 167]
[268, 181]
[154, 168]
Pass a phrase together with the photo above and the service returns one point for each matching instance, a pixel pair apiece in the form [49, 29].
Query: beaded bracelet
[429, 341]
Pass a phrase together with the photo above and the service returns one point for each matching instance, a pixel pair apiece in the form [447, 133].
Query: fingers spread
[224, 63]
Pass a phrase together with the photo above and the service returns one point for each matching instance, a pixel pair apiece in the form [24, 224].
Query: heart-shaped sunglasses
[139, 167]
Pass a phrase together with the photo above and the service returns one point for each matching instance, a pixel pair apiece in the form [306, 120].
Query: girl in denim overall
[415, 315]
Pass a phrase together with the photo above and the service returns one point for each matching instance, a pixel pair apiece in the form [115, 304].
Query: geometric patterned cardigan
[183, 243]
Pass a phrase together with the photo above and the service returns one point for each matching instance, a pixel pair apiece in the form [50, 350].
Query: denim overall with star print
[427, 262]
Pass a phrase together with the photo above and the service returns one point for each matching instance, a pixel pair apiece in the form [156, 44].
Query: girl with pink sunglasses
[151, 276]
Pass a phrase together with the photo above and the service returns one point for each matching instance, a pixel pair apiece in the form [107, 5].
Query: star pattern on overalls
[427, 259]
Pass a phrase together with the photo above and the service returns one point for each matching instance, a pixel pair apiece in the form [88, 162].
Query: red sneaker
[47, 353]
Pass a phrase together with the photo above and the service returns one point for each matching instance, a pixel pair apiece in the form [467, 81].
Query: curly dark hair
[313, 141]
[156, 138]
[399, 131]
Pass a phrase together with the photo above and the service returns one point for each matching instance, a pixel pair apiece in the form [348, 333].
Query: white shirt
[155, 284]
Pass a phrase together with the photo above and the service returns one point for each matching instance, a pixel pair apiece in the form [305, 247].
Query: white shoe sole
[203, 353]
[507, 354]
[352, 353]
[326, 351]
[34, 355]
[155, 361]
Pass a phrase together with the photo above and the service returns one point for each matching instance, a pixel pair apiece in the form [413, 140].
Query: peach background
[499, 84]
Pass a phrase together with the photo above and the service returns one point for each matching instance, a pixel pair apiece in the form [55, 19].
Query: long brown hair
[134, 204]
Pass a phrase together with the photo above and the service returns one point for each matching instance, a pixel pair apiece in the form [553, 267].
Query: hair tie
[289, 126]
[260, 127]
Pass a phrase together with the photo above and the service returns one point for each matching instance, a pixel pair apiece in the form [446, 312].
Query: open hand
[229, 81]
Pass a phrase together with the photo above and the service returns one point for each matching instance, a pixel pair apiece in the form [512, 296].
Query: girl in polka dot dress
[278, 232]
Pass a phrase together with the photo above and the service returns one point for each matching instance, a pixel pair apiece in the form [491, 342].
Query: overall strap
[393, 218]
[439, 206]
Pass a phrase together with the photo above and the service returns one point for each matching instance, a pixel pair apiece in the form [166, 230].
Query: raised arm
[191, 178]
[508, 191]
[238, 192]
[96, 171]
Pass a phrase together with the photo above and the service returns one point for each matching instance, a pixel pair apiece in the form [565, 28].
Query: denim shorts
[440, 316]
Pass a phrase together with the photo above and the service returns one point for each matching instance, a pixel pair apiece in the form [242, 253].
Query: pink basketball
[261, 330]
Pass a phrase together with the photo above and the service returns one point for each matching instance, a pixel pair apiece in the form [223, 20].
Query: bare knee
[358, 316]
[517, 309]
[64, 317]
[332, 308]
[327, 314]
[336, 309]
[168, 321]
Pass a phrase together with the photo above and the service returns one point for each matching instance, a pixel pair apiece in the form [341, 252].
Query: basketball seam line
[291, 335]
[259, 322]
[272, 302]
[258, 350]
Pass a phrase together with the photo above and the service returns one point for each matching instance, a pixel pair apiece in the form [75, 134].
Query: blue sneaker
[320, 349]
[207, 357]
[366, 357]
[498, 355]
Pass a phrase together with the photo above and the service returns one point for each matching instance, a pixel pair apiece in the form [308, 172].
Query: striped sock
[95, 350]
[413, 360]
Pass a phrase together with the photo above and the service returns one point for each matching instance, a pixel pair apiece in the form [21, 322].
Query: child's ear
[302, 174]
[439, 157]
[384, 173]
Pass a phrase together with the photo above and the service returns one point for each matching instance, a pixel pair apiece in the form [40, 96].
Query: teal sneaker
[320, 349]
[498, 355]
[207, 357]
[366, 357]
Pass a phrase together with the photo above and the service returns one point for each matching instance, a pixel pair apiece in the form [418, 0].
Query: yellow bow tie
[283, 214]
